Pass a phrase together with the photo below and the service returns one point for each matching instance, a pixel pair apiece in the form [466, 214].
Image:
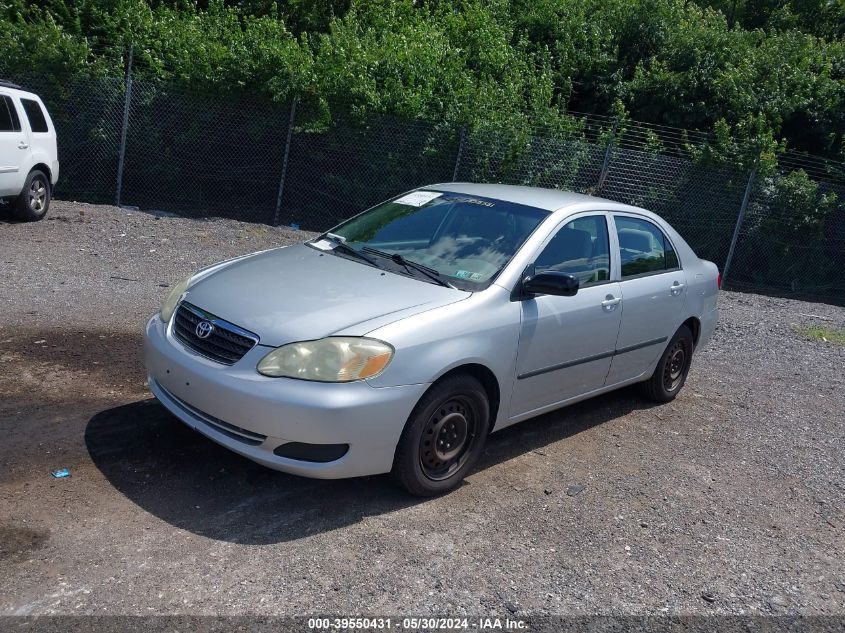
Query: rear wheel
[34, 201]
[671, 373]
[443, 438]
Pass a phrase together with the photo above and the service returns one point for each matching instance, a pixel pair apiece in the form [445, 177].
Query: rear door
[41, 134]
[14, 147]
[653, 287]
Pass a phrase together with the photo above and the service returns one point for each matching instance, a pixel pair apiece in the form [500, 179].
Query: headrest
[567, 245]
[635, 240]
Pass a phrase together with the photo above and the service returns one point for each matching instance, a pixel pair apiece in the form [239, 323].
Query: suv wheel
[34, 200]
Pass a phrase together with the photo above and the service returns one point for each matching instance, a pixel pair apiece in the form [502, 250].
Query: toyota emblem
[204, 329]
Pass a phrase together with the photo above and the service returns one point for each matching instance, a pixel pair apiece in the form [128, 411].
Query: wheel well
[487, 379]
[695, 327]
[45, 169]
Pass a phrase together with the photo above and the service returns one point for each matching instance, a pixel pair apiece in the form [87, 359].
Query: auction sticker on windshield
[418, 198]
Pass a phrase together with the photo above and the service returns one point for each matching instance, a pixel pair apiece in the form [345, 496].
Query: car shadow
[194, 484]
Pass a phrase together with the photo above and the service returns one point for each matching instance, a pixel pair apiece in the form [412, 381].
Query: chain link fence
[157, 146]
[791, 240]
[202, 156]
[335, 172]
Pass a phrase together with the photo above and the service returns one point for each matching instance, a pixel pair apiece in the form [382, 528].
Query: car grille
[226, 344]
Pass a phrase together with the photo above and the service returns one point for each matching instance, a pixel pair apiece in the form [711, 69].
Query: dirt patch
[17, 543]
[53, 354]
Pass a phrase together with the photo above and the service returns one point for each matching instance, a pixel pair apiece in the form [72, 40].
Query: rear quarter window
[35, 115]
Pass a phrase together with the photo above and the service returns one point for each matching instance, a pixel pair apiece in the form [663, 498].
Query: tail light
[719, 280]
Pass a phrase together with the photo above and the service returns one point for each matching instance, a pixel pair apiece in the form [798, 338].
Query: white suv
[29, 164]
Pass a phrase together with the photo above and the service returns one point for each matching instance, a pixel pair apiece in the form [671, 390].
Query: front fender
[483, 330]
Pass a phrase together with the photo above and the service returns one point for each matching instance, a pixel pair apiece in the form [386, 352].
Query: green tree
[763, 76]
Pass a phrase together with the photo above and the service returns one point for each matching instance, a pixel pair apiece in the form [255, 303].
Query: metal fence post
[122, 154]
[739, 220]
[608, 153]
[285, 162]
[460, 153]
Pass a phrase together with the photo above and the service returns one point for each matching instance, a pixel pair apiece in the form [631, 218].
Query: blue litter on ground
[61, 473]
[295, 227]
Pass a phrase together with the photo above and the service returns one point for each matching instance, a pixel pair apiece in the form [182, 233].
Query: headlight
[172, 299]
[333, 359]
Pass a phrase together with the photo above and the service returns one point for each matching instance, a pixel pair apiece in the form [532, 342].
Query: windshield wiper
[429, 272]
[341, 246]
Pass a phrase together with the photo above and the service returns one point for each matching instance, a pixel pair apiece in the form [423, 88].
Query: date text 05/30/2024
[417, 624]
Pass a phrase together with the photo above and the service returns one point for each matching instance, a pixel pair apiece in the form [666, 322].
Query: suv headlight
[332, 359]
[172, 299]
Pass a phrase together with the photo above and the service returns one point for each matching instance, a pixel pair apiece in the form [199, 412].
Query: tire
[453, 410]
[34, 201]
[671, 373]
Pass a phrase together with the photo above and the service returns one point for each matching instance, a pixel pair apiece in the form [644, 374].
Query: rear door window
[35, 115]
[643, 247]
[9, 121]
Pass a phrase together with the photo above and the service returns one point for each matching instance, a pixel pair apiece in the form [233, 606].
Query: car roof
[8, 86]
[548, 199]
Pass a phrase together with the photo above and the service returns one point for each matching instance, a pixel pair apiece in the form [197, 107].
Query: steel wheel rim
[37, 195]
[673, 369]
[448, 438]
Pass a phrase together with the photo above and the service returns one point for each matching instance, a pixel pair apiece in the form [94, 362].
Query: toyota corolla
[400, 339]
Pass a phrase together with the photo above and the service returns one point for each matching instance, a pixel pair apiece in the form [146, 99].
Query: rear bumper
[252, 414]
[708, 326]
[54, 172]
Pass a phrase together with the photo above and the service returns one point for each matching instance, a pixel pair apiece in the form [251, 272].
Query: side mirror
[551, 283]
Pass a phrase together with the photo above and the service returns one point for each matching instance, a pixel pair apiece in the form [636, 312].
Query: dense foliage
[764, 75]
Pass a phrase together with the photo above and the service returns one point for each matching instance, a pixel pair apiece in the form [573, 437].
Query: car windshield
[464, 240]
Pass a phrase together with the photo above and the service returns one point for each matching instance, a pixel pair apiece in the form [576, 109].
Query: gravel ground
[728, 500]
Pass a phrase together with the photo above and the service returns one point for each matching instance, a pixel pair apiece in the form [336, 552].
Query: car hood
[298, 293]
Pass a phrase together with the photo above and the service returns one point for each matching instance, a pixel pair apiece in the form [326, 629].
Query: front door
[566, 343]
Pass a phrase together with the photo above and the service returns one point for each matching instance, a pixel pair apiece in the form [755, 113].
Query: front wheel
[34, 200]
[671, 373]
[443, 438]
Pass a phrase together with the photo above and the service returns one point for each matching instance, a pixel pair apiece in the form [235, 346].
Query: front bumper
[252, 414]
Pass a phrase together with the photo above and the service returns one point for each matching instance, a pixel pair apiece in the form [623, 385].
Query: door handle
[23, 145]
[610, 303]
[676, 289]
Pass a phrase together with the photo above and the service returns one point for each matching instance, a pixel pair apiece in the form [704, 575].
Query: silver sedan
[399, 340]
